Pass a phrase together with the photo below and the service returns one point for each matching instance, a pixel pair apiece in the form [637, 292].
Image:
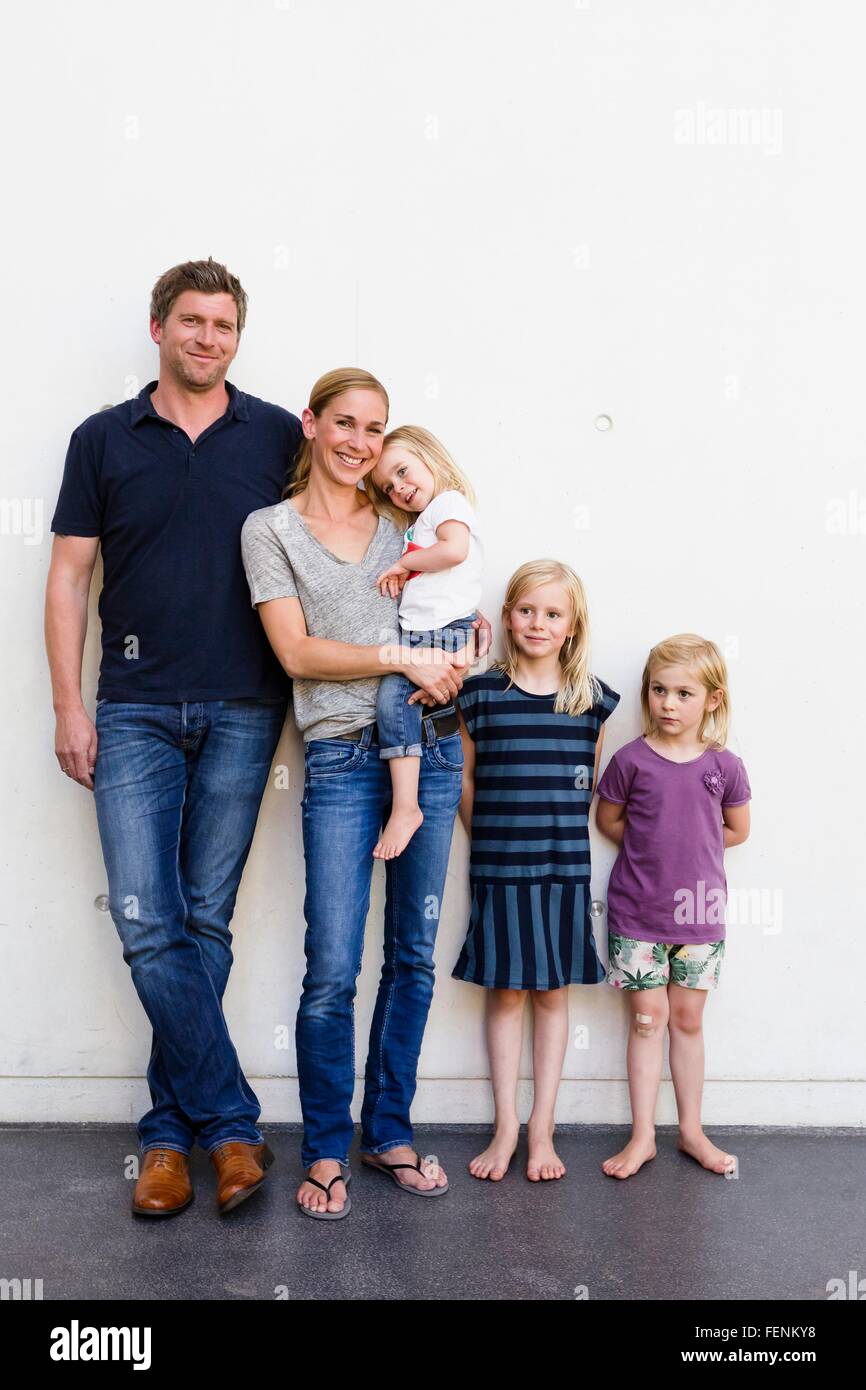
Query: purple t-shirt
[668, 882]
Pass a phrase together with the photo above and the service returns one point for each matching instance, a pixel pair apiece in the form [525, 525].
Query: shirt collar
[142, 405]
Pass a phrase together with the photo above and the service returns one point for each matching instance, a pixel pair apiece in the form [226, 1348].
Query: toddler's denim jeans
[400, 723]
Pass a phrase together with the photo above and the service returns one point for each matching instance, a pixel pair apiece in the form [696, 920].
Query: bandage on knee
[644, 1024]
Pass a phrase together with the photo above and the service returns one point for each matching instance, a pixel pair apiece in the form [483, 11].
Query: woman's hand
[435, 673]
[391, 581]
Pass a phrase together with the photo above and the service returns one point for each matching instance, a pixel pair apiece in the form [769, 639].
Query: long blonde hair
[704, 657]
[329, 386]
[578, 688]
[426, 447]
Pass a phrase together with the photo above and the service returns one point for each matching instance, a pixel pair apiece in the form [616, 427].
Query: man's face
[199, 339]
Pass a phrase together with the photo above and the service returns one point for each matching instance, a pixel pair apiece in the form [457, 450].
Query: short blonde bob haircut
[704, 659]
[426, 447]
[578, 688]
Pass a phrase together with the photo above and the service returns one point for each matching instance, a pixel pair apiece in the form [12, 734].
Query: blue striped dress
[530, 925]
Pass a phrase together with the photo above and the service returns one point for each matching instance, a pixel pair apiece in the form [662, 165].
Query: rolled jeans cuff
[402, 750]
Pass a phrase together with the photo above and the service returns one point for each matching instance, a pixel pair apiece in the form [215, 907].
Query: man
[190, 705]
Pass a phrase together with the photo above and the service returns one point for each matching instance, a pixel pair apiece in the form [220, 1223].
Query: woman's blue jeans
[346, 801]
[400, 723]
[177, 790]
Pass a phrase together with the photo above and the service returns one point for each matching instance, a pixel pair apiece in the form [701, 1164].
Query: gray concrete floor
[793, 1219]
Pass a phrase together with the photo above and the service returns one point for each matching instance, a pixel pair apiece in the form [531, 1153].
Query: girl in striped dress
[532, 735]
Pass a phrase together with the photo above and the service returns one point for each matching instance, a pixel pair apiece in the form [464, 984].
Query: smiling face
[540, 621]
[404, 478]
[198, 340]
[347, 435]
[678, 700]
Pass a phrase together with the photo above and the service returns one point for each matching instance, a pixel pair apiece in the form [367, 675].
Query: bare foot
[704, 1150]
[493, 1162]
[314, 1197]
[432, 1176]
[397, 833]
[544, 1162]
[625, 1164]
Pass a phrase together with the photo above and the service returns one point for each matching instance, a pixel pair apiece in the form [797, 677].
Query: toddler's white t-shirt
[429, 601]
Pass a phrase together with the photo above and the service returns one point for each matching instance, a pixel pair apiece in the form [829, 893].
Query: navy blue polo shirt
[175, 604]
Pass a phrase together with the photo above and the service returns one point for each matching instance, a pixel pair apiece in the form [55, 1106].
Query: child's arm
[609, 815]
[450, 550]
[610, 818]
[737, 824]
[598, 748]
[468, 794]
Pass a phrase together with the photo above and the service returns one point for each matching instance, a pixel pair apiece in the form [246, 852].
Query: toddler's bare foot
[698, 1146]
[397, 833]
[493, 1162]
[625, 1164]
[544, 1162]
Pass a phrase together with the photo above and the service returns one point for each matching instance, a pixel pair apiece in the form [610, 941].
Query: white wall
[519, 217]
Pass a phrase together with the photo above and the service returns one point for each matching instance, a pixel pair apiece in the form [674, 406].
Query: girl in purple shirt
[673, 800]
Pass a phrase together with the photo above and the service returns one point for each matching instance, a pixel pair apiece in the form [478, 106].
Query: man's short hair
[207, 277]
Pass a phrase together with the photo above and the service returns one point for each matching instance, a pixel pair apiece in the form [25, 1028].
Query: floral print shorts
[650, 964]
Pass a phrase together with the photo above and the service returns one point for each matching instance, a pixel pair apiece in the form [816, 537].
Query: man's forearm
[65, 631]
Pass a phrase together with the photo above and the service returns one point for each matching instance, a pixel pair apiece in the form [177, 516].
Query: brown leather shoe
[163, 1186]
[240, 1171]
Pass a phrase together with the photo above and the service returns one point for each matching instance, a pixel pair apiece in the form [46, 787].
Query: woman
[312, 561]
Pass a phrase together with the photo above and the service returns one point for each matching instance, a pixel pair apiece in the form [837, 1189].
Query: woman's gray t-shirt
[283, 559]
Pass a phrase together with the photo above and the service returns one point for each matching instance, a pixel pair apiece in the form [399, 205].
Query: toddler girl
[674, 800]
[416, 479]
[532, 737]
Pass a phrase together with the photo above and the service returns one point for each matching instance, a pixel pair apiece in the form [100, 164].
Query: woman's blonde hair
[329, 386]
[578, 688]
[704, 658]
[426, 447]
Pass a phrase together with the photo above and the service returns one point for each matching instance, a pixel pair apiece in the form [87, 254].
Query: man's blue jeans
[177, 790]
[400, 723]
[346, 801]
